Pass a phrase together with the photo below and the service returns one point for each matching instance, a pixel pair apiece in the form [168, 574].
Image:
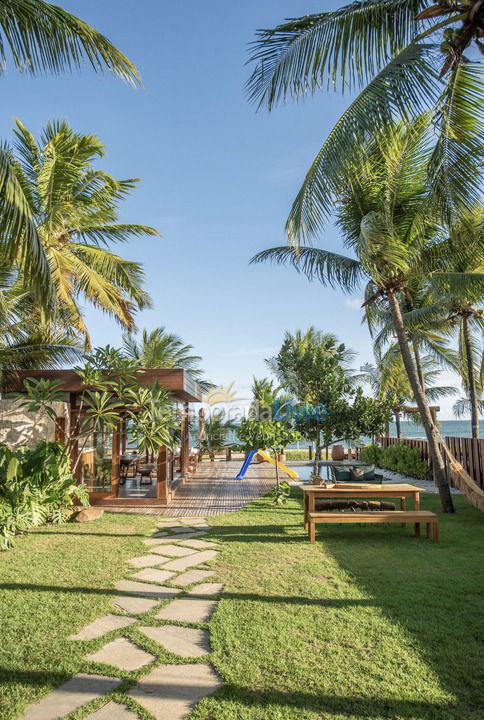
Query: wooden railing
[467, 451]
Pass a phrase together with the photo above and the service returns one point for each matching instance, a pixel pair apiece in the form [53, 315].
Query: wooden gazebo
[184, 391]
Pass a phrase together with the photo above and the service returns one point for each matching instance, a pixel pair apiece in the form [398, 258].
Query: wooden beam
[162, 474]
[115, 464]
[185, 439]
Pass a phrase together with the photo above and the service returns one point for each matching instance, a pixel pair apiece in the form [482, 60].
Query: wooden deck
[214, 490]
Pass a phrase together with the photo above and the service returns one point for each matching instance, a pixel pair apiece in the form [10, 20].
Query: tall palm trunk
[418, 365]
[438, 465]
[471, 377]
[397, 423]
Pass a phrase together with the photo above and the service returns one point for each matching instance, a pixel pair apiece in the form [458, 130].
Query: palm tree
[214, 434]
[386, 220]
[74, 209]
[44, 38]
[27, 338]
[455, 297]
[159, 348]
[388, 378]
[405, 57]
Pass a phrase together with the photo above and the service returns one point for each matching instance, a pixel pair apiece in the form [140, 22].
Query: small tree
[111, 394]
[267, 435]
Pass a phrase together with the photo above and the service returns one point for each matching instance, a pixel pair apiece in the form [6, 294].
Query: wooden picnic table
[348, 491]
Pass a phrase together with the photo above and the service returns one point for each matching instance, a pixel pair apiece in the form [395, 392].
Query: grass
[368, 623]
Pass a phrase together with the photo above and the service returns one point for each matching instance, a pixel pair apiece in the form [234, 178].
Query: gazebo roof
[176, 380]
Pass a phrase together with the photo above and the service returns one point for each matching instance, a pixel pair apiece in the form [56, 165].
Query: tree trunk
[438, 465]
[317, 450]
[471, 377]
[418, 366]
[275, 450]
[397, 423]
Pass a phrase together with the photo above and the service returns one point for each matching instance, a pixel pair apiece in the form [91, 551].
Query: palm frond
[327, 267]
[346, 46]
[456, 164]
[404, 88]
[45, 38]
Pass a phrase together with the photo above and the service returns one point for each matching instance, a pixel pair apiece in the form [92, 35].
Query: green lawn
[368, 623]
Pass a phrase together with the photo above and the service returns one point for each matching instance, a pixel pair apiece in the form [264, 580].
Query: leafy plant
[36, 486]
[262, 435]
[399, 457]
[280, 494]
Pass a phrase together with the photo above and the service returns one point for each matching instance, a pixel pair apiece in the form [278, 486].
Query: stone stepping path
[137, 605]
[182, 641]
[112, 711]
[123, 654]
[102, 626]
[172, 550]
[181, 536]
[144, 561]
[206, 589]
[76, 692]
[170, 692]
[154, 591]
[198, 544]
[196, 559]
[192, 576]
[189, 610]
[153, 575]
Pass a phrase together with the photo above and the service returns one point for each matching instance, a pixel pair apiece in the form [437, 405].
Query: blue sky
[217, 177]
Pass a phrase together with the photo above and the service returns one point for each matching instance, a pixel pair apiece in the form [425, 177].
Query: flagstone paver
[190, 610]
[123, 654]
[170, 692]
[172, 550]
[192, 576]
[186, 562]
[140, 588]
[206, 589]
[135, 605]
[198, 544]
[153, 575]
[181, 529]
[102, 626]
[182, 536]
[182, 641]
[143, 561]
[112, 711]
[76, 692]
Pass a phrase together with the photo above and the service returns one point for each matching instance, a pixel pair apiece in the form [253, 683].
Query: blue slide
[246, 464]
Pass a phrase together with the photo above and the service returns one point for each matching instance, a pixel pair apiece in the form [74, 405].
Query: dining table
[352, 491]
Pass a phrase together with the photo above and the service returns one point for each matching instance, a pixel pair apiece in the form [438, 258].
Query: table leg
[306, 510]
[416, 506]
[403, 507]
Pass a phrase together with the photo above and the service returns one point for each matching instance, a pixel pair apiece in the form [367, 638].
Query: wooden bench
[377, 517]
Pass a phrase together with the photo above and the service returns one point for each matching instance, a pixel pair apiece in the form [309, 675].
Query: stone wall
[20, 427]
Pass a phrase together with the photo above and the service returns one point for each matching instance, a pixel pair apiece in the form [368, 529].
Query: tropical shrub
[36, 487]
[399, 457]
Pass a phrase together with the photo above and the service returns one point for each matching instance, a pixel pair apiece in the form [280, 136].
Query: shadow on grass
[350, 706]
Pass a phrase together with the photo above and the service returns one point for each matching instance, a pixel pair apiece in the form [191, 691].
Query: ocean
[448, 428]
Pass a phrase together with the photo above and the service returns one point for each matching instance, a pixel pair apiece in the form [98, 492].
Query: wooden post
[73, 430]
[201, 427]
[310, 449]
[185, 439]
[123, 436]
[162, 474]
[115, 461]
[60, 430]
[228, 453]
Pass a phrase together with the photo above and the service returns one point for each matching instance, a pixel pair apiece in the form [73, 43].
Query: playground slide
[246, 464]
[282, 467]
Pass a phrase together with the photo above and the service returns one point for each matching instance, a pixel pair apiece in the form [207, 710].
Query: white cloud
[354, 303]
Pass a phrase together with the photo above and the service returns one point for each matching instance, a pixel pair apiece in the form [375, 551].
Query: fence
[467, 451]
